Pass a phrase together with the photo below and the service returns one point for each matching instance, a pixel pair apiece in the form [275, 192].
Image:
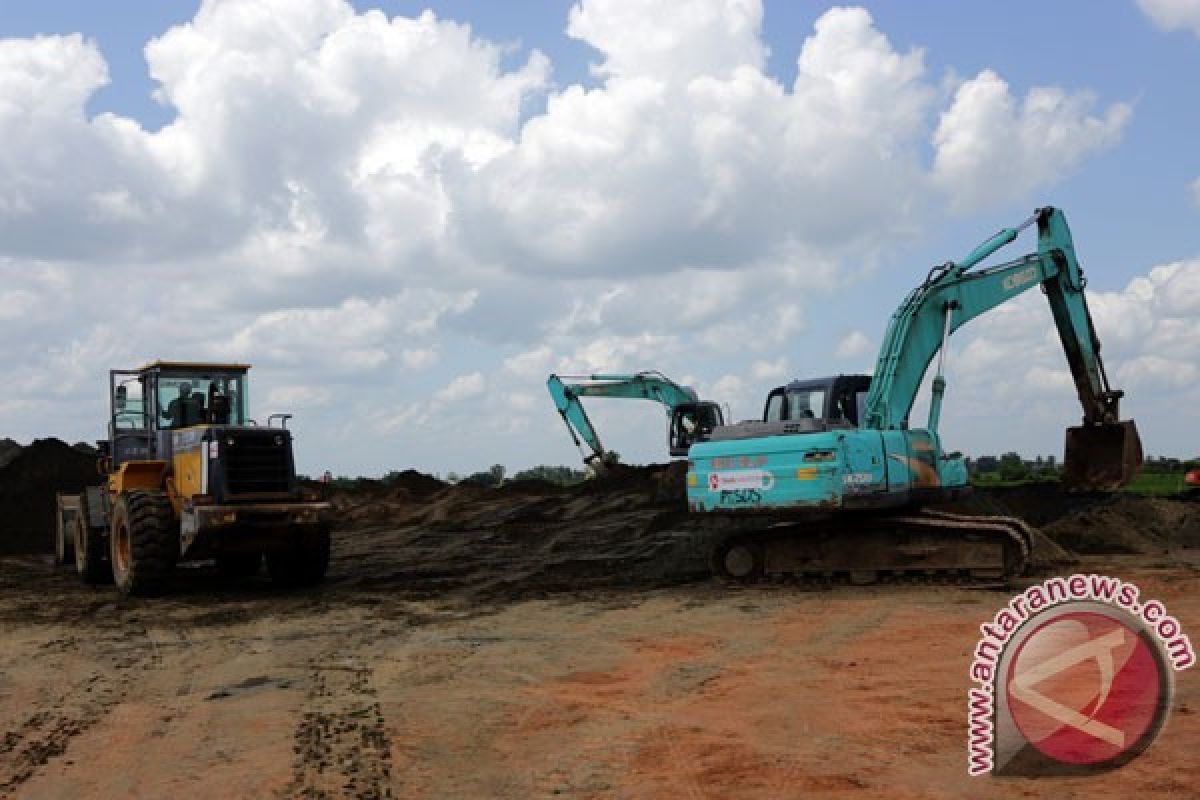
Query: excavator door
[691, 422]
[1102, 457]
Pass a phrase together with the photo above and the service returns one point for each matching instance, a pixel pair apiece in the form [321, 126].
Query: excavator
[832, 484]
[690, 417]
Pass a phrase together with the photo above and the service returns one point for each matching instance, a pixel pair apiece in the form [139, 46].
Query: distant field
[1148, 483]
[1157, 483]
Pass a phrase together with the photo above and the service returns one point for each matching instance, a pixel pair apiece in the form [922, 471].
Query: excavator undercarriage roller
[923, 546]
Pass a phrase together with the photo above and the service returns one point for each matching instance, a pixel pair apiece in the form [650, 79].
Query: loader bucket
[1102, 457]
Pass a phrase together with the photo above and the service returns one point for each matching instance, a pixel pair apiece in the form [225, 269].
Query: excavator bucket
[1102, 457]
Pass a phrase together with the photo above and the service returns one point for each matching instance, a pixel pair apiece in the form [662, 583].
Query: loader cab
[690, 423]
[148, 404]
[837, 401]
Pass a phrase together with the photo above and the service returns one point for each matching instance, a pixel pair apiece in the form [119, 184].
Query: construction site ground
[532, 642]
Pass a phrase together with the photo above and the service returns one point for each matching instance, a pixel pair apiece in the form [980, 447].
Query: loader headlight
[229, 442]
[279, 441]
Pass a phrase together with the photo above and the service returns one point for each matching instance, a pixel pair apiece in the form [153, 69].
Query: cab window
[198, 399]
[805, 404]
[129, 408]
[774, 407]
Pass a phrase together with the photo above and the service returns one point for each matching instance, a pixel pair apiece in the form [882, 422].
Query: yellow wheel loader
[189, 476]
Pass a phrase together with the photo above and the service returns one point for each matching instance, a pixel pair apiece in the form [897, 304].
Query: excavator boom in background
[841, 477]
[689, 417]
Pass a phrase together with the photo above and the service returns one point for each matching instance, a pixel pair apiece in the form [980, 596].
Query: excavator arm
[638, 386]
[1103, 452]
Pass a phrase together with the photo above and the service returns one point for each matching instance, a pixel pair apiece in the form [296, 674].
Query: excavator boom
[1103, 452]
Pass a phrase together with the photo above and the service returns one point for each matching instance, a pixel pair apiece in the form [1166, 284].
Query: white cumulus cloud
[366, 204]
[992, 146]
[852, 345]
[1173, 15]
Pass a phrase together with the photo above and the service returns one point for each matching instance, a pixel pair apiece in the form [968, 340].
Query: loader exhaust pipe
[1102, 457]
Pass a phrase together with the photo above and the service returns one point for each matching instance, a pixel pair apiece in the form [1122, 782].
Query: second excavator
[834, 484]
[689, 418]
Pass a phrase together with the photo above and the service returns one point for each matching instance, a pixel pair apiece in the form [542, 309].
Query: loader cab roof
[190, 366]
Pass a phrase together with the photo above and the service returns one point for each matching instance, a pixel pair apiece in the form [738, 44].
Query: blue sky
[1126, 184]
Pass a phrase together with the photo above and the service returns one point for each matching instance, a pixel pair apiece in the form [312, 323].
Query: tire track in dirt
[341, 744]
[46, 735]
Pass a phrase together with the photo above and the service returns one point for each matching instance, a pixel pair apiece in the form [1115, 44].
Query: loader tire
[91, 556]
[303, 561]
[64, 539]
[144, 542]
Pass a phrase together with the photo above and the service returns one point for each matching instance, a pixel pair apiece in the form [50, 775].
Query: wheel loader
[187, 476]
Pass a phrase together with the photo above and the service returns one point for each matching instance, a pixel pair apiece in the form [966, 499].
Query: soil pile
[1096, 522]
[28, 483]
[8, 451]
[377, 502]
[526, 538]
[1129, 524]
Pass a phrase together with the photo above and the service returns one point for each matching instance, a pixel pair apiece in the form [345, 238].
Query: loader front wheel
[144, 542]
[302, 561]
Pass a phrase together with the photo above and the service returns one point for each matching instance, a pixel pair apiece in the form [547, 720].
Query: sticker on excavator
[759, 479]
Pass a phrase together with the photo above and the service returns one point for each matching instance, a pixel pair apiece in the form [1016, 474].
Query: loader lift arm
[1103, 451]
[689, 416]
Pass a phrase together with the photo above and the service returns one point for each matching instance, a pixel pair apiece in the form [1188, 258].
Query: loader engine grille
[257, 462]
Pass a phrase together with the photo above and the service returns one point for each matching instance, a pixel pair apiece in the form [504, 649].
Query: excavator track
[920, 546]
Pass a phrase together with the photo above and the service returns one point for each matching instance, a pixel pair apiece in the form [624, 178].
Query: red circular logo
[1087, 688]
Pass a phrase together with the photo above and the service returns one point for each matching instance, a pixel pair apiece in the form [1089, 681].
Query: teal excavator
[833, 483]
[689, 417]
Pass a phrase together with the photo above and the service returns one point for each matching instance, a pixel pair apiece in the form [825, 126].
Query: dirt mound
[8, 451]
[1040, 504]
[529, 537]
[28, 484]
[415, 483]
[1129, 524]
[630, 527]
[1094, 522]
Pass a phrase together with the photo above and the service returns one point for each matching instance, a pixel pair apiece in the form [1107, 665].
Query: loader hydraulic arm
[639, 386]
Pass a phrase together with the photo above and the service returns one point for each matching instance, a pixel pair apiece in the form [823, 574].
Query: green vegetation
[1159, 476]
[562, 476]
[1157, 483]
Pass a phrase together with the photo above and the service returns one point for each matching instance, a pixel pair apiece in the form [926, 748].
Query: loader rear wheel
[90, 556]
[144, 542]
[303, 561]
[64, 538]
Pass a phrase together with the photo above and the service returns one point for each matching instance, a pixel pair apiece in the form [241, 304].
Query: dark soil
[628, 527]
[28, 483]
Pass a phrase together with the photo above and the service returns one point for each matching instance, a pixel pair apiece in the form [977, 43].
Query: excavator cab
[836, 402]
[690, 423]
